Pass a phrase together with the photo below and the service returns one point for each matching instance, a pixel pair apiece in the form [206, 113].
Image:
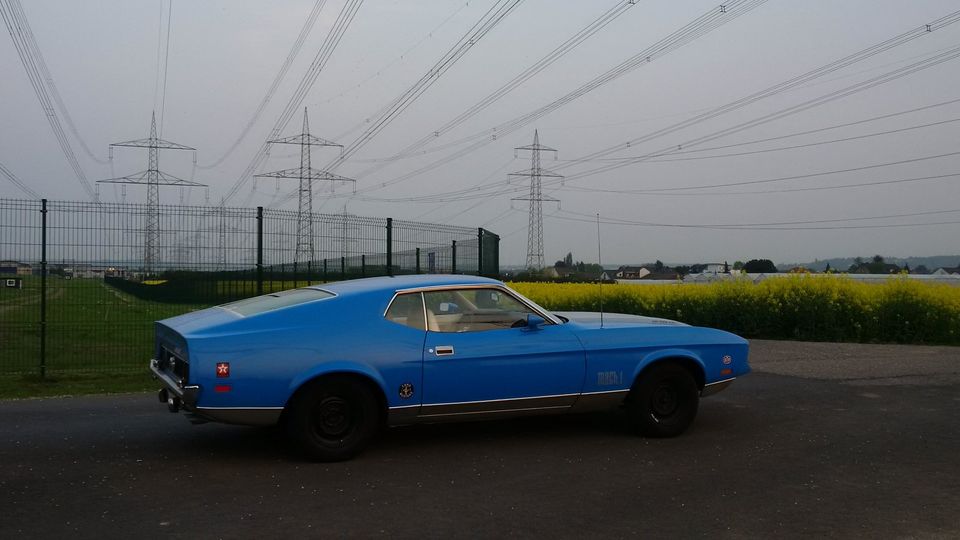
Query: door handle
[443, 350]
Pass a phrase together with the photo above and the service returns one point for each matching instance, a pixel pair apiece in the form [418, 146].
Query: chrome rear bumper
[186, 395]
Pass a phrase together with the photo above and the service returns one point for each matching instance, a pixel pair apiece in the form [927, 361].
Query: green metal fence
[79, 292]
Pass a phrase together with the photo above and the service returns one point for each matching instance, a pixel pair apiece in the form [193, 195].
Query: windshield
[554, 318]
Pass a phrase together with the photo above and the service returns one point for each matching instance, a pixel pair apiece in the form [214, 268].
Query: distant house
[947, 271]
[569, 272]
[875, 268]
[15, 268]
[662, 276]
[631, 272]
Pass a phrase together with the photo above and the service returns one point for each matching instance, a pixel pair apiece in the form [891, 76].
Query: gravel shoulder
[857, 363]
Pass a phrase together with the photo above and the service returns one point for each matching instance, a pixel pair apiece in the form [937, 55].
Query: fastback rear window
[267, 302]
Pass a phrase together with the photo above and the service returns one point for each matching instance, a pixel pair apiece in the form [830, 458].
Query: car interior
[459, 310]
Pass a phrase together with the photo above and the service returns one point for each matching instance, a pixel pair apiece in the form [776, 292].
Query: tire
[334, 418]
[664, 401]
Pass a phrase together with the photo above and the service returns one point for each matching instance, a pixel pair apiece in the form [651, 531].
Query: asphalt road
[822, 439]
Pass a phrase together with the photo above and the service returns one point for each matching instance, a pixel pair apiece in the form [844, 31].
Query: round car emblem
[727, 360]
[406, 390]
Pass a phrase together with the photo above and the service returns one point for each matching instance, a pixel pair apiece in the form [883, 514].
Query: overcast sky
[223, 55]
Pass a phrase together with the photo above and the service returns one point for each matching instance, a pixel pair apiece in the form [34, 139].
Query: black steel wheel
[334, 418]
[664, 401]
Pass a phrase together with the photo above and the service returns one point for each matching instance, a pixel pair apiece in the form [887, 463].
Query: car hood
[589, 317]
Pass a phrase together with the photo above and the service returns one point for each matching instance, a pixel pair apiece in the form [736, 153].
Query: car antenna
[600, 264]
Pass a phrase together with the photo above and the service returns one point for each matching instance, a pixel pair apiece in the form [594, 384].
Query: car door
[481, 357]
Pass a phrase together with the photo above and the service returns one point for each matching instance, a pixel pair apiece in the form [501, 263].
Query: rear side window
[407, 309]
[267, 302]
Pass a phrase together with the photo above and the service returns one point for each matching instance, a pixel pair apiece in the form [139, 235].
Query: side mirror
[534, 321]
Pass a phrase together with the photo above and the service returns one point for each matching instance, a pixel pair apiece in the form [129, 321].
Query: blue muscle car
[333, 363]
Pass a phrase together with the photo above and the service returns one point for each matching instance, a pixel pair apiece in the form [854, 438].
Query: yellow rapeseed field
[823, 308]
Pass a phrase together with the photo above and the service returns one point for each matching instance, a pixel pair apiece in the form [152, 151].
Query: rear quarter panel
[272, 354]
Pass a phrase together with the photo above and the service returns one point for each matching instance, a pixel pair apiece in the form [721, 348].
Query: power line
[308, 25]
[777, 149]
[378, 72]
[34, 49]
[487, 22]
[781, 87]
[480, 29]
[782, 178]
[817, 130]
[339, 28]
[798, 80]
[455, 193]
[465, 194]
[816, 102]
[495, 172]
[156, 79]
[884, 78]
[776, 223]
[838, 186]
[17, 182]
[702, 25]
[554, 55]
[777, 226]
[166, 64]
[14, 17]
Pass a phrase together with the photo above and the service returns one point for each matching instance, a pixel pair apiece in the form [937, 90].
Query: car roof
[396, 283]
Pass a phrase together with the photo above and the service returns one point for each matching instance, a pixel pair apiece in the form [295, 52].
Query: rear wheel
[663, 403]
[334, 418]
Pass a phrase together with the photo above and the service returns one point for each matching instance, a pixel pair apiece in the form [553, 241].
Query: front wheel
[663, 403]
[333, 419]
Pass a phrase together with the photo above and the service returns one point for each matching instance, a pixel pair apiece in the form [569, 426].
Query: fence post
[343, 268]
[43, 288]
[418, 260]
[453, 257]
[363, 265]
[325, 270]
[389, 246]
[259, 250]
[480, 251]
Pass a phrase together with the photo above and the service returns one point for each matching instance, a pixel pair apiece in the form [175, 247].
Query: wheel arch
[366, 374]
[684, 358]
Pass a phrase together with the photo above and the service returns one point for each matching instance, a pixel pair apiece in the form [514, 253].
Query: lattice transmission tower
[153, 177]
[307, 175]
[536, 200]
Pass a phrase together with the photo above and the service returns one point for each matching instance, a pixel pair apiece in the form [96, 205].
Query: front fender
[339, 366]
[662, 354]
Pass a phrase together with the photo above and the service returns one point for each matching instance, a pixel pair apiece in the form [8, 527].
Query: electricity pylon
[153, 177]
[306, 175]
[536, 199]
